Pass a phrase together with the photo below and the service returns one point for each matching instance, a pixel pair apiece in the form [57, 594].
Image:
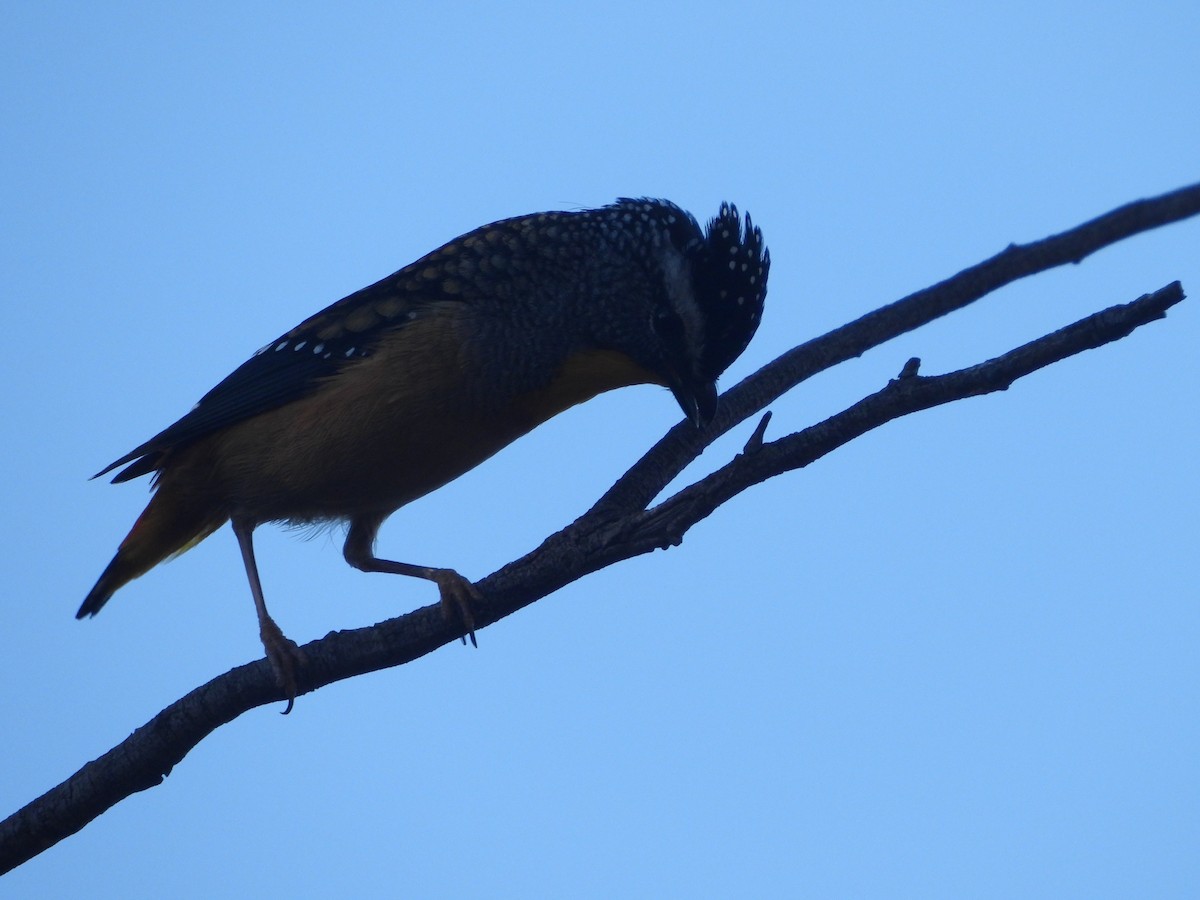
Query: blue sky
[956, 658]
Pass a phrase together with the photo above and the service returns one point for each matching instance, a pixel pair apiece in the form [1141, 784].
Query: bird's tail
[168, 526]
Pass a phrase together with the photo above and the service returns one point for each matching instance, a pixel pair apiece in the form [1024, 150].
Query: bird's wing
[492, 259]
[296, 363]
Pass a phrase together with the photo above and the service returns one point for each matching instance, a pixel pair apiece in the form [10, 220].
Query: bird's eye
[668, 326]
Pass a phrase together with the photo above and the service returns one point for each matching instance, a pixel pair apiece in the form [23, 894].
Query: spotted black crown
[730, 264]
[730, 282]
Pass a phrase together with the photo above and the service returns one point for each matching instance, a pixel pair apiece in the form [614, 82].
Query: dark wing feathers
[292, 366]
[261, 383]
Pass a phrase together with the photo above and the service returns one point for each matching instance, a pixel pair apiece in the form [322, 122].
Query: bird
[398, 388]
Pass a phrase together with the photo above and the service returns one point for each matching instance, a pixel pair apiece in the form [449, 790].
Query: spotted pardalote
[404, 385]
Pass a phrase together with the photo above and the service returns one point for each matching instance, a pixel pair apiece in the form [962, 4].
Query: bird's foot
[284, 656]
[458, 599]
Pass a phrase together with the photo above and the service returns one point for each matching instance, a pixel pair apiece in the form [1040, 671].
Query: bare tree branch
[594, 542]
[666, 523]
[620, 525]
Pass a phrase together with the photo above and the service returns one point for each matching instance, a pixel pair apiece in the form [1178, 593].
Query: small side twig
[756, 439]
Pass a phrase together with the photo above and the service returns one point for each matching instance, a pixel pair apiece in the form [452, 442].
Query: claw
[284, 656]
[458, 597]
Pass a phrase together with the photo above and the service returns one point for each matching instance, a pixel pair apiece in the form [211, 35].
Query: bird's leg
[282, 653]
[458, 595]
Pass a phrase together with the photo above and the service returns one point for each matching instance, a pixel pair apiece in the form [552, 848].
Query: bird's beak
[698, 401]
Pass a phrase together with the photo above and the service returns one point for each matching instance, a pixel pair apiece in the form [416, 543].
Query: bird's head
[714, 283]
